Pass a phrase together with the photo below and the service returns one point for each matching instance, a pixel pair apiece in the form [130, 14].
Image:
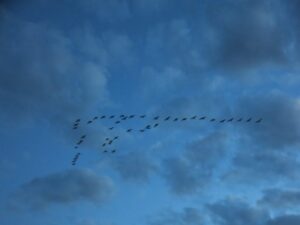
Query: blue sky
[64, 60]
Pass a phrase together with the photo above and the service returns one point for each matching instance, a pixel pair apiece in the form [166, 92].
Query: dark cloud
[280, 127]
[42, 76]
[259, 39]
[236, 212]
[134, 166]
[285, 220]
[62, 188]
[197, 166]
[280, 198]
[188, 216]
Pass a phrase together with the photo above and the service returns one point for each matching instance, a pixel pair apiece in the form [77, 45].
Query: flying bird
[258, 121]
[110, 142]
[175, 119]
[79, 142]
[142, 130]
[194, 117]
[202, 118]
[167, 118]
[116, 137]
[131, 116]
[111, 117]
[111, 128]
[103, 145]
[142, 116]
[248, 120]
[83, 136]
[117, 122]
[156, 118]
[129, 130]
[107, 139]
[89, 121]
[124, 118]
[213, 119]
[240, 119]
[96, 117]
[155, 125]
[122, 115]
[78, 120]
[222, 121]
[113, 151]
[230, 120]
[102, 117]
[148, 127]
[105, 151]
[184, 119]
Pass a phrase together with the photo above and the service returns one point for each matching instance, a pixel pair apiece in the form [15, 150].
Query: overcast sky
[61, 60]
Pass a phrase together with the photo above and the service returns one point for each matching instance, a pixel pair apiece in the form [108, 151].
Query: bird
[248, 120]
[213, 119]
[129, 130]
[113, 151]
[102, 117]
[110, 142]
[142, 130]
[74, 128]
[131, 116]
[117, 122]
[103, 145]
[122, 115]
[142, 116]
[155, 125]
[111, 117]
[116, 137]
[184, 119]
[202, 118]
[222, 121]
[148, 127]
[258, 121]
[105, 151]
[107, 139]
[230, 120]
[175, 119]
[167, 118]
[79, 142]
[111, 128]
[194, 117]
[240, 119]
[77, 120]
[83, 136]
[124, 118]
[89, 121]
[156, 118]
[76, 146]
[96, 117]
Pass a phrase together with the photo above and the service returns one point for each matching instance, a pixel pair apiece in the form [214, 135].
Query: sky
[64, 60]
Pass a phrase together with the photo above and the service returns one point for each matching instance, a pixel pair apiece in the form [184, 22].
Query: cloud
[280, 198]
[197, 166]
[62, 188]
[43, 76]
[236, 212]
[233, 44]
[188, 216]
[134, 167]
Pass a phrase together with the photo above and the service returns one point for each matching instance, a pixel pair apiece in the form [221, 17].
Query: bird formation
[118, 119]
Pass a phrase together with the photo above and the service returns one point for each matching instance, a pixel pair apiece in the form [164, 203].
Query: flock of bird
[156, 120]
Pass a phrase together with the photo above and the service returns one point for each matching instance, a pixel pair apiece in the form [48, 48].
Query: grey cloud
[259, 39]
[235, 212]
[62, 188]
[285, 220]
[188, 216]
[280, 127]
[134, 166]
[197, 166]
[42, 76]
[280, 198]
